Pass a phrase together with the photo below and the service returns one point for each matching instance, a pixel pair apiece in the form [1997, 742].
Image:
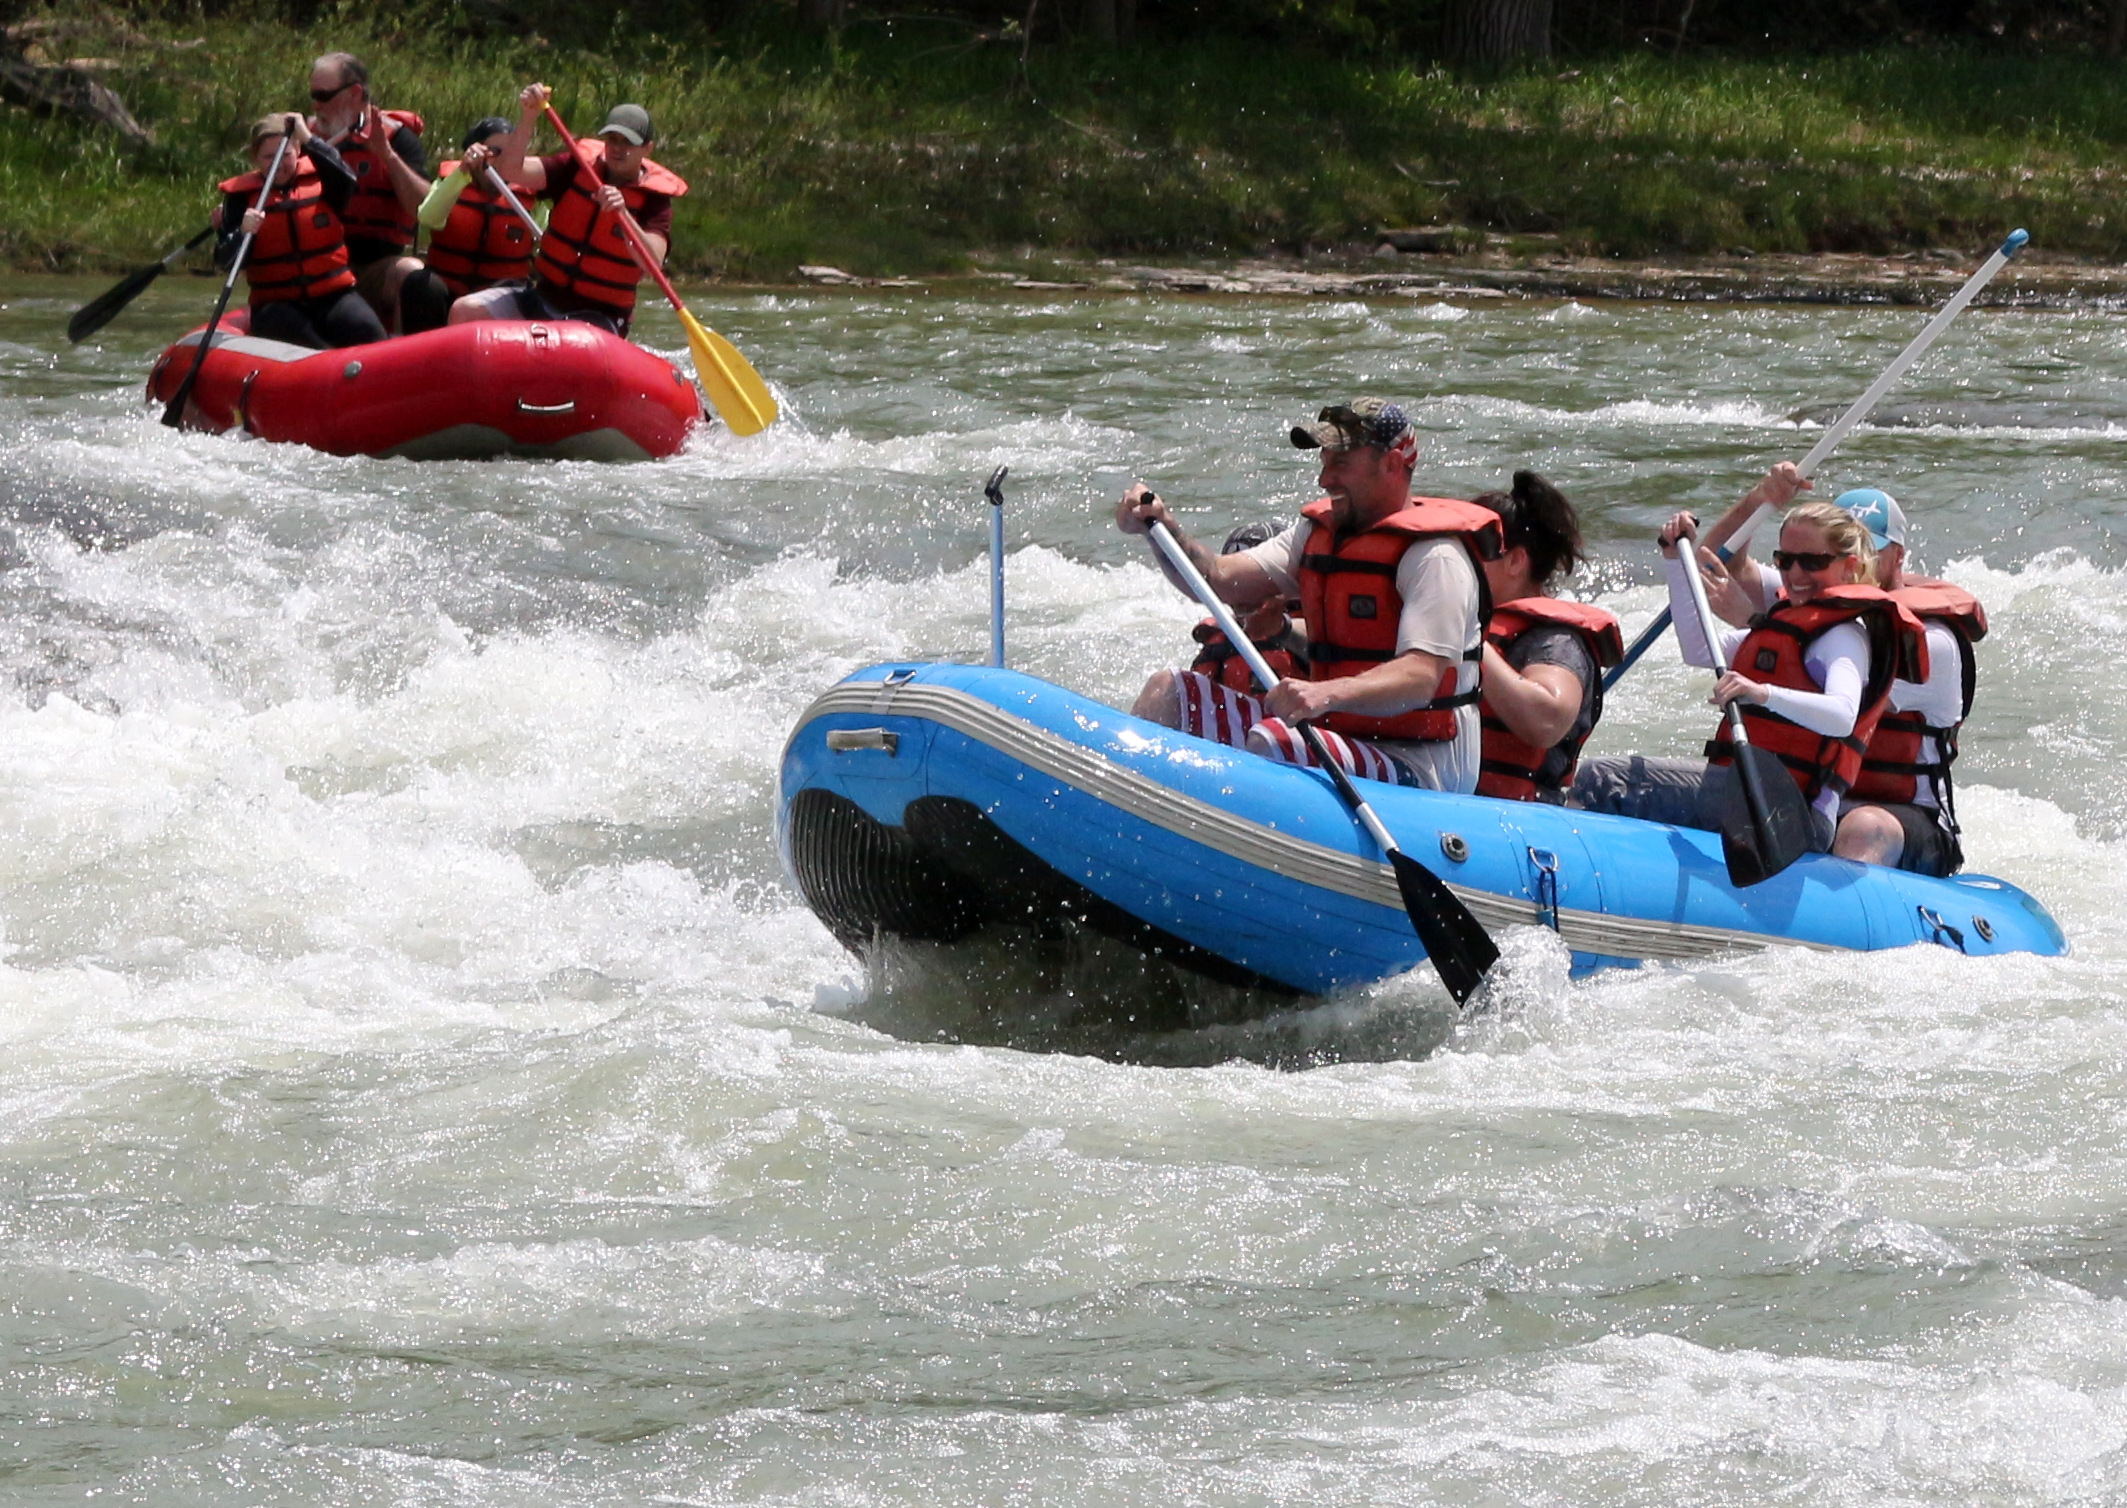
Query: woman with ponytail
[1543, 657]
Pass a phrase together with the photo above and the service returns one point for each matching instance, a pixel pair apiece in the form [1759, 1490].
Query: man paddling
[1393, 599]
[382, 148]
[585, 269]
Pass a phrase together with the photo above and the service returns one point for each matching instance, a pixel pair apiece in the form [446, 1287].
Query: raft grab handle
[849, 740]
[546, 408]
[1941, 931]
[1546, 886]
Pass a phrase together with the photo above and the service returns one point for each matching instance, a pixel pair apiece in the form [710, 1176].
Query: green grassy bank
[913, 152]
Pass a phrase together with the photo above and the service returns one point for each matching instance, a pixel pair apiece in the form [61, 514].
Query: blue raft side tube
[1259, 862]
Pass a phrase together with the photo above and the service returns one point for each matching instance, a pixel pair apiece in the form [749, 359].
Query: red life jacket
[483, 242]
[1219, 660]
[301, 250]
[1891, 766]
[1771, 653]
[1511, 763]
[373, 211]
[1348, 596]
[584, 249]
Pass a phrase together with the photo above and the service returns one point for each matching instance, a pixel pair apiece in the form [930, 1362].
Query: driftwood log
[64, 88]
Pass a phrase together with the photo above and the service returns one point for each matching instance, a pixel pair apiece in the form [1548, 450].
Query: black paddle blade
[1756, 851]
[173, 413]
[1455, 941]
[97, 313]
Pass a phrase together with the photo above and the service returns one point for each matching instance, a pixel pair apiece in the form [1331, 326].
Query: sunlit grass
[885, 154]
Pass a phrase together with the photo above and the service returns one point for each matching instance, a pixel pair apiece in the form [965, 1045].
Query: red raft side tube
[563, 390]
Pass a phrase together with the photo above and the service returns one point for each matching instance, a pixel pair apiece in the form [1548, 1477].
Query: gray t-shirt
[1437, 582]
[1549, 644]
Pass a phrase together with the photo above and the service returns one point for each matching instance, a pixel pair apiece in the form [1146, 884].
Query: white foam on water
[422, 1085]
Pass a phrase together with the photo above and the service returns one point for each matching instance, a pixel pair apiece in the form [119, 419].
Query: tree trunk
[69, 91]
[1492, 32]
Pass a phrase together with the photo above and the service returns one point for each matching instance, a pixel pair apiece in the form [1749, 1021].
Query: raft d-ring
[352, 370]
[1452, 845]
[1941, 931]
[1546, 886]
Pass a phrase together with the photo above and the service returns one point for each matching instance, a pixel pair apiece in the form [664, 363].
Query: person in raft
[302, 290]
[1812, 675]
[1271, 628]
[476, 239]
[585, 269]
[1543, 656]
[382, 148]
[1900, 811]
[1393, 597]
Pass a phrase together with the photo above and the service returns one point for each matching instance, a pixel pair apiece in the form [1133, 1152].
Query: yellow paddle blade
[741, 398]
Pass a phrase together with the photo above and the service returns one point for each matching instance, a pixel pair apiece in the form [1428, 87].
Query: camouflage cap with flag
[1363, 421]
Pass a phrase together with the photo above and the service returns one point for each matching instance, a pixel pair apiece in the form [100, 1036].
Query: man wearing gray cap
[585, 270]
[1393, 602]
[1900, 811]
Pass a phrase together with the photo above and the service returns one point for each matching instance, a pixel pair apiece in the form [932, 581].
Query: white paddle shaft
[1171, 549]
[1831, 438]
[1688, 546]
[514, 203]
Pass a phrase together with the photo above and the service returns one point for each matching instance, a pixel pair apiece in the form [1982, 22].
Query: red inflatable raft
[492, 388]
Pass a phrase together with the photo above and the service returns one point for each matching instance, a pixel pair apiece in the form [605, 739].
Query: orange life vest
[584, 249]
[1891, 767]
[1771, 654]
[1511, 763]
[1348, 596]
[1219, 660]
[301, 250]
[373, 211]
[483, 242]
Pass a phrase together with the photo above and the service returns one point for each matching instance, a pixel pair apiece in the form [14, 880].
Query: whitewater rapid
[423, 1086]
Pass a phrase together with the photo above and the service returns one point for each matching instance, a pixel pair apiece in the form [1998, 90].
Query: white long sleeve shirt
[1940, 698]
[1837, 660]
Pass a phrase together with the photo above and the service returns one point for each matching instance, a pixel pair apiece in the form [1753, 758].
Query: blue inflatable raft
[938, 802]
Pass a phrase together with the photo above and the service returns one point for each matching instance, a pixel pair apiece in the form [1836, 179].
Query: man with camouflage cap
[1393, 602]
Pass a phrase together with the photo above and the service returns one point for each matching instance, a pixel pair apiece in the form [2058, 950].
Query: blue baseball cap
[1876, 511]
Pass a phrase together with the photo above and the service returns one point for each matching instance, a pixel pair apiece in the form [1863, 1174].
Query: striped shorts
[1226, 716]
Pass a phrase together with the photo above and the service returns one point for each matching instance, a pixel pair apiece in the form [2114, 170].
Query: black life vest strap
[1337, 565]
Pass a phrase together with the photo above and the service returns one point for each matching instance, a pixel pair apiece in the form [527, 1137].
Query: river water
[421, 1085]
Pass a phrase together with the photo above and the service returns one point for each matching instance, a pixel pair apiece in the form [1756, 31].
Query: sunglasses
[1811, 561]
[326, 96]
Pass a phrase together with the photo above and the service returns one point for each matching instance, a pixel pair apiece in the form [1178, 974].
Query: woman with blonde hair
[1812, 676]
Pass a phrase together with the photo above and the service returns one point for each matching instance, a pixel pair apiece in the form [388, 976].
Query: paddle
[174, 414]
[515, 203]
[741, 398]
[1776, 827]
[1831, 438]
[98, 312]
[1456, 942]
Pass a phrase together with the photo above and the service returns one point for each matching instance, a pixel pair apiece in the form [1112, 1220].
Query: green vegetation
[916, 147]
